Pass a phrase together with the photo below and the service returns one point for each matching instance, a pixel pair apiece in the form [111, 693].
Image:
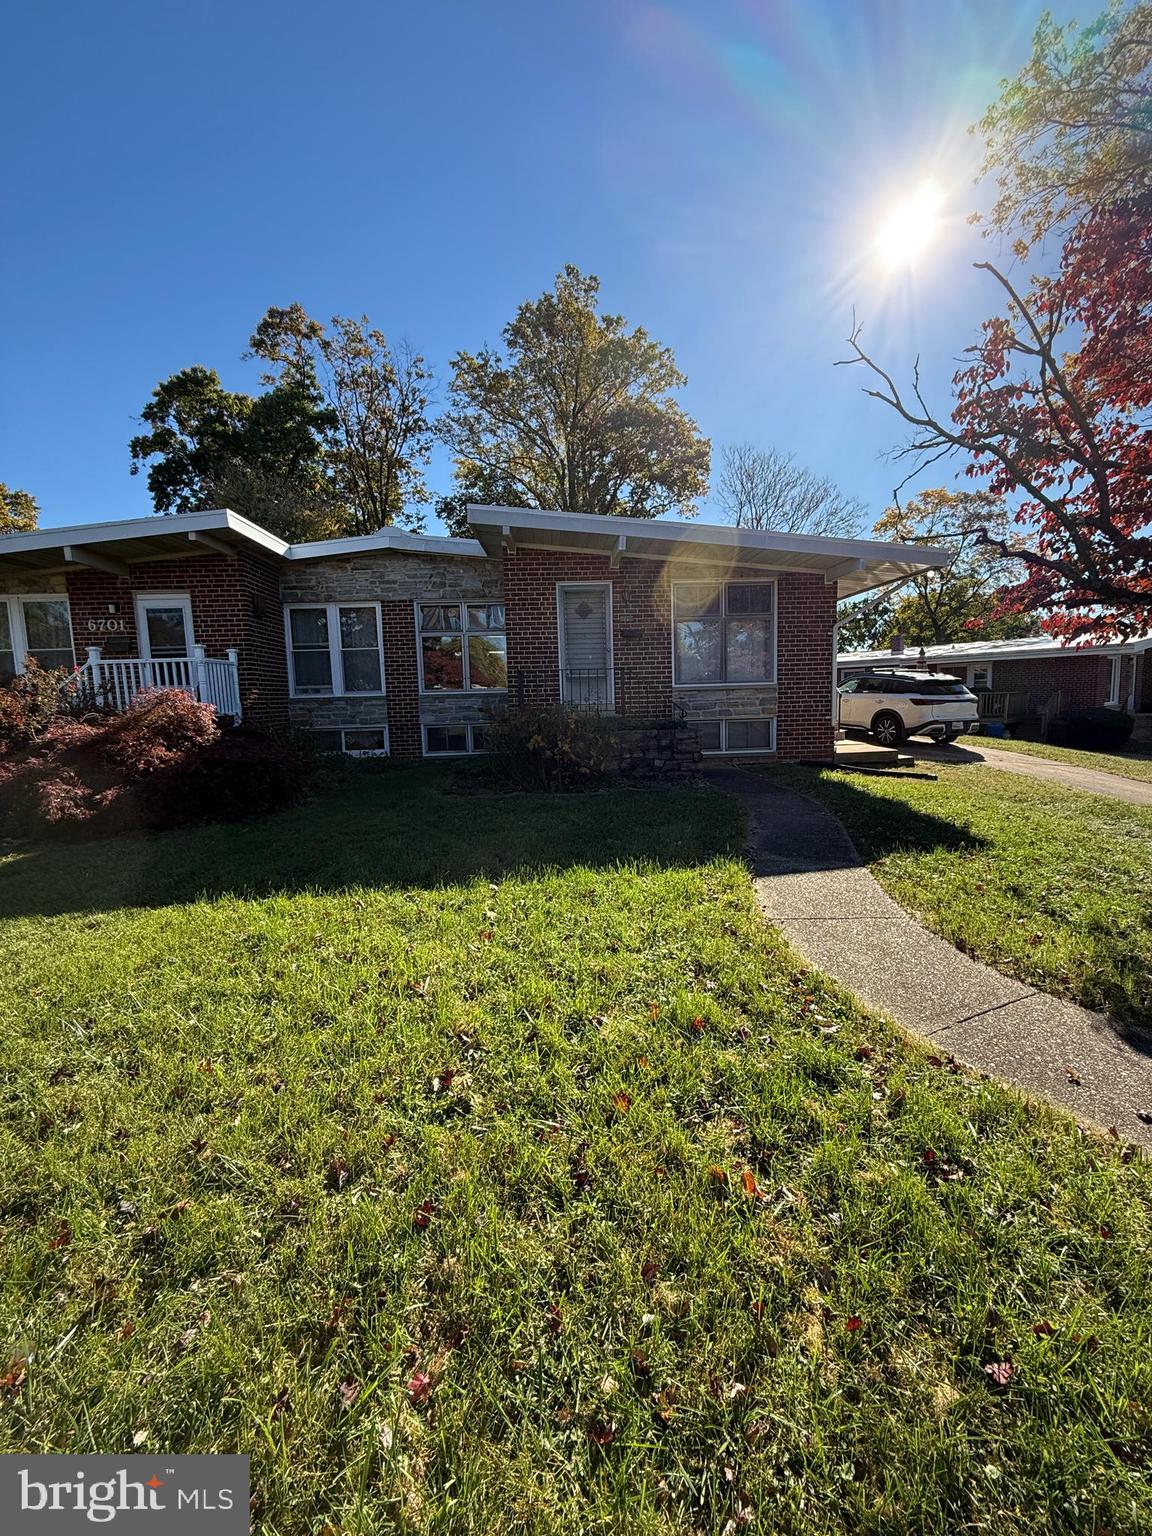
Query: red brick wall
[1143, 665]
[1083, 680]
[642, 638]
[401, 679]
[263, 659]
[235, 603]
[641, 625]
[804, 666]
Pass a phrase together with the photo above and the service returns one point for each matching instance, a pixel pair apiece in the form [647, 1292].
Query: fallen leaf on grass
[337, 1175]
[349, 1391]
[186, 1340]
[63, 1236]
[852, 1324]
[422, 1215]
[750, 1186]
[622, 1102]
[717, 1174]
[1043, 1329]
[602, 1431]
[419, 1387]
[999, 1372]
[15, 1375]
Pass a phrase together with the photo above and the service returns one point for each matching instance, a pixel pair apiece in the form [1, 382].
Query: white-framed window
[334, 649]
[462, 646]
[37, 625]
[980, 677]
[723, 633]
[455, 740]
[1115, 673]
[353, 740]
[747, 734]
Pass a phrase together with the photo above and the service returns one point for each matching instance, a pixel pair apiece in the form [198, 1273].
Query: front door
[584, 611]
[164, 627]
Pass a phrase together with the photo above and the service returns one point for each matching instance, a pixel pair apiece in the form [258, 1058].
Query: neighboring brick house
[1024, 680]
[403, 643]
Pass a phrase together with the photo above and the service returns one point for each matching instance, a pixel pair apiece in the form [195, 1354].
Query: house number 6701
[106, 626]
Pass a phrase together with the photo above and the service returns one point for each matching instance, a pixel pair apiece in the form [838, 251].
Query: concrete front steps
[869, 754]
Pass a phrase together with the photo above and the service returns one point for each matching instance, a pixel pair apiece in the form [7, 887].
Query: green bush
[550, 747]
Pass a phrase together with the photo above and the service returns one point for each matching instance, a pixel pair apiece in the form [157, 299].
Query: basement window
[730, 736]
[453, 740]
[354, 740]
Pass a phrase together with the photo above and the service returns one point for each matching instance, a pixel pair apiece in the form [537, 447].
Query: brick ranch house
[1021, 681]
[401, 643]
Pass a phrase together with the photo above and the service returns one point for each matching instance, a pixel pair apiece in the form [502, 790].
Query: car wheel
[949, 737]
[888, 728]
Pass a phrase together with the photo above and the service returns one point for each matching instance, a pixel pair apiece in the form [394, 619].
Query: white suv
[893, 704]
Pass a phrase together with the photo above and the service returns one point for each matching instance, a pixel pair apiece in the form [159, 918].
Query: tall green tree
[1073, 130]
[262, 455]
[577, 413]
[960, 600]
[377, 397]
[19, 510]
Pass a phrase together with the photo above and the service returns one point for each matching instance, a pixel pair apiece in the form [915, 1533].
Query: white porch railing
[115, 682]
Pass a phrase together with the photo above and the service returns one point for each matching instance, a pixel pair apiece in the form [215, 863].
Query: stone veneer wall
[397, 581]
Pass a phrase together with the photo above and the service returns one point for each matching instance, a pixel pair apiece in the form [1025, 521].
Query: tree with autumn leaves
[1052, 408]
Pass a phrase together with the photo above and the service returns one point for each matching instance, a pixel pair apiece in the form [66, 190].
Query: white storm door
[164, 627]
[164, 633]
[584, 614]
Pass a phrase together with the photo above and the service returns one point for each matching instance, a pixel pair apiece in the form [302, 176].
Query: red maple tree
[1053, 411]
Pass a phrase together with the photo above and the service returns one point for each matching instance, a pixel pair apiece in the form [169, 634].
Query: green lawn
[1129, 765]
[483, 1165]
[1042, 882]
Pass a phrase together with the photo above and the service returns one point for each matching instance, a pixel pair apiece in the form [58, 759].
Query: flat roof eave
[853, 565]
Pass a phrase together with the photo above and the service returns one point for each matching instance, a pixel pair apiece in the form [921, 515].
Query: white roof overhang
[851, 565]
[113, 546]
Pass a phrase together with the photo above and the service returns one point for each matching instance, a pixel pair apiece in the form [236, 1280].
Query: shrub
[28, 703]
[240, 772]
[161, 763]
[1092, 727]
[550, 747]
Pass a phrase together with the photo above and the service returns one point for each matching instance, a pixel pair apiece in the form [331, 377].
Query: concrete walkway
[811, 884]
[1094, 780]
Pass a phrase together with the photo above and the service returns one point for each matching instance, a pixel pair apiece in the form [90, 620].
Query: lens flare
[911, 227]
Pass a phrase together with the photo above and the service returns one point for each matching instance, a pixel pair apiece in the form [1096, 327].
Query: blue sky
[722, 165]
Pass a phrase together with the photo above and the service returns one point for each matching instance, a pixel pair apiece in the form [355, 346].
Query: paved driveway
[1135, 791]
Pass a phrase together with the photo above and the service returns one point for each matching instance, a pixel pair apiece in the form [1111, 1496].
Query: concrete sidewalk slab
[811, 884]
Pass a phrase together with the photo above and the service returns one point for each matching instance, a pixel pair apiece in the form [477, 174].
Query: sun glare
[910, 227]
